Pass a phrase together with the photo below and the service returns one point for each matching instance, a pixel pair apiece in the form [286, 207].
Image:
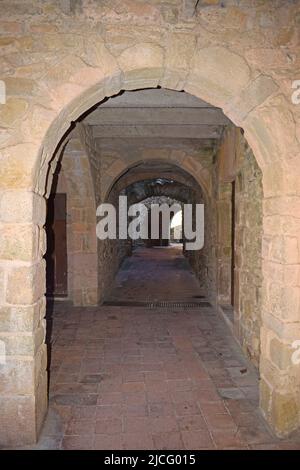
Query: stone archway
[252, 100]
[181, 165]
[171, 168]
[148, 168]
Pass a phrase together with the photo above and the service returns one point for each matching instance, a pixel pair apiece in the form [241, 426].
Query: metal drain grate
[156, 304]
[124, 303]
[168, 304]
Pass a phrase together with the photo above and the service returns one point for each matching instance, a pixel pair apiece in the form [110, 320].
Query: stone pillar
[82, 253]
[23, 358]
[81, 225]
[279, 364]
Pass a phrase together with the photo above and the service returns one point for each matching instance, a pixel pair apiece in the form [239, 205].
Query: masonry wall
[115, 161]
[110, 253]
[203, 262]
[84, 160]
[248, 254]
[236, 164]
[75, 180]
[58, 58]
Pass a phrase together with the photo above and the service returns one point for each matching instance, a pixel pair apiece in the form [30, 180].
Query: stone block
[17, 166]
[265, 396]
[285, 249]
[20, 86]
[16, 377]
[18, 420]
[96, 54]
[21, 207]
[179, 52]
[141, 64]
[254, 95]
[21, 318]
[281, 354]
[285, 412]
[26, 284]
[19, 242]
[218, 74]
[41, 402]
[14, 109]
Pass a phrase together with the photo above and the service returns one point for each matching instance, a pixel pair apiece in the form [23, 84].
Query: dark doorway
[56, 256]
[232, 240]
[160, 241]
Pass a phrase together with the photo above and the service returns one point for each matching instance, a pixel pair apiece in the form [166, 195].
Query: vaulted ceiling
[156, 118]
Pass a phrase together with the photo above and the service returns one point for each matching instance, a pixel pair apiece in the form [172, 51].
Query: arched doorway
[225, 79]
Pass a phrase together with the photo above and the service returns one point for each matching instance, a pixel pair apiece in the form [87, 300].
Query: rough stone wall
[60, 58]
[224, 175]
[109, 260]
[81, 224]
[87, 141]
[92, 263]
[203, 261]
[114, 162]
[104, 166]
[248, 253]
[236, 163]
[111, 253]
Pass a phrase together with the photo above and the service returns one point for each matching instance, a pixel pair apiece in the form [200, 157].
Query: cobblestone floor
[137, 378]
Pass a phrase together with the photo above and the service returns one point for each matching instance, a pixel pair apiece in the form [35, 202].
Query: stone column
[279, 365]
[81, 225]
[23, 358]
